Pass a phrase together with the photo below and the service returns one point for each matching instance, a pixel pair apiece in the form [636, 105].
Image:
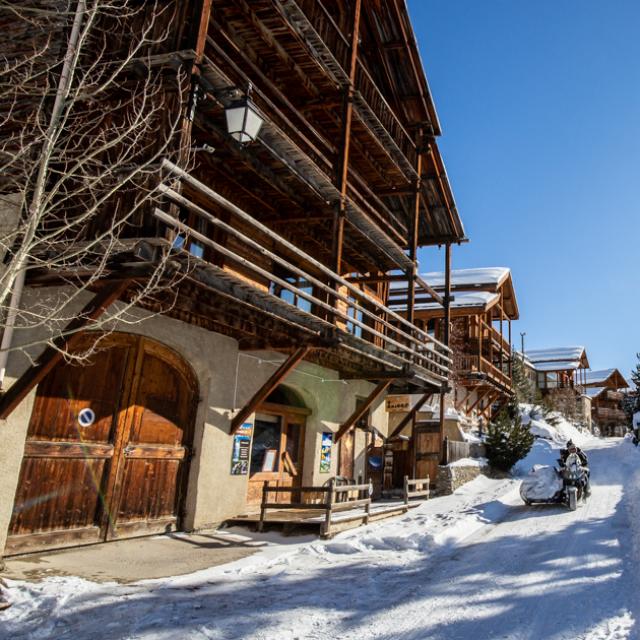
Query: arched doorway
[277, 449]
[107, 448]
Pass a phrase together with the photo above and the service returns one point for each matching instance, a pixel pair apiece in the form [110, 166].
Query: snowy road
[474, 565]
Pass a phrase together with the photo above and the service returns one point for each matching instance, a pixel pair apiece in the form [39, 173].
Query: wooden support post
[412, 272]
[447, 331]
[501, 334]
[480, 332]
[331, 494]
[463, 402]
[511, 353]
[342, 173]
[362, 409]
[447, 294]
[260, 396]
[199, 39]
[406, 490]
[367, 506]
[410, 415]
[263, 505]
[51, 356]
[479, 399]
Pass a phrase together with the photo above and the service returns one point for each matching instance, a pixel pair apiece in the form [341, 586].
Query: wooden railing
[334, 499]
[479, 364]
[606, 413]
[416, 488]
[332, 301]
[331, 48]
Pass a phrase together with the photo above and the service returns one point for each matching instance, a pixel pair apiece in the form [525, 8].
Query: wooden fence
[416, 488]
[324, 503]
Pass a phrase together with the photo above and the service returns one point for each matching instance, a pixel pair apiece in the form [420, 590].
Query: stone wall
[452, 477]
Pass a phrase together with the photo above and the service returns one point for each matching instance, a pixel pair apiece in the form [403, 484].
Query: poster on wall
[241, 447]
[325, 452]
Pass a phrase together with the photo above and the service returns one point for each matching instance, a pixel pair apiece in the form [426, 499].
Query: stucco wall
[331, 401]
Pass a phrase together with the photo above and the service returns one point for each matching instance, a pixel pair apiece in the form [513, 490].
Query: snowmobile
[566, 485]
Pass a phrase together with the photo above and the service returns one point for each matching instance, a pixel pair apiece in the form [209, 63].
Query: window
[289, 296]
[266, 441]
[353, 312]
[193, 247]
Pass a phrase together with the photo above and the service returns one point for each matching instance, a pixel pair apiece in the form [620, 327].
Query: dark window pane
[266, 435]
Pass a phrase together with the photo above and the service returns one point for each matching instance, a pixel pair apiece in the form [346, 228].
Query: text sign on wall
[241, 448]
[397, 404]
[325, 452]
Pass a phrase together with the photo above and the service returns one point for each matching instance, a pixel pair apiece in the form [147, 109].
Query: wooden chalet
[605, 388]
[268, 359]
[483, 305]
[561, 368]
[560, 377]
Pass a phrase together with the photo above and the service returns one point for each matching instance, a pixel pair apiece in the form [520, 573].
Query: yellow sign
[397, 404]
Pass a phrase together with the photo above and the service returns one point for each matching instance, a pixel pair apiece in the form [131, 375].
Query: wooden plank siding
[125, 473]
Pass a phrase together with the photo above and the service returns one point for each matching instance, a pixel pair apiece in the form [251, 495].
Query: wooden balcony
[280, 297]
[606, 414]
[327, 44]
[478, 368]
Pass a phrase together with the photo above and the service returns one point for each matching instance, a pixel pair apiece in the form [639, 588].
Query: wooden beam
[51, 356]
[393, 374]
[458, 405]
[342, 172]
[375, 279]
[362, 409]
[412, 272]
[411, 415]
[479, 399]
[261, 395]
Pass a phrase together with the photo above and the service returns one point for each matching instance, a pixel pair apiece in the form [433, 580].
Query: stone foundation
[453, 477]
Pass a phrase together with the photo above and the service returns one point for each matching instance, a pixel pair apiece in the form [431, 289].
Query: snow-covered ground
[477, 564]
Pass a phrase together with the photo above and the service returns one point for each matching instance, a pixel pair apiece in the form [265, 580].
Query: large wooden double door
[107, 448]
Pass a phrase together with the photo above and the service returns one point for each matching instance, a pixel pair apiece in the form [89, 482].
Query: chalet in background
[606, 390]
[560, 375]
[313, 176]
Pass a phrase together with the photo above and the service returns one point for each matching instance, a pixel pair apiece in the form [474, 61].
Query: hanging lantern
[243, 119]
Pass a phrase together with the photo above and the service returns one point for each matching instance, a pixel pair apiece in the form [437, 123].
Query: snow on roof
[592, 392]
[555, 354]
[461, 300]
[557, 365]
[595, 377]
[468, 277]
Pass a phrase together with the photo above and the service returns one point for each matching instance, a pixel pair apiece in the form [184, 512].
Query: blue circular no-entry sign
[86, 417]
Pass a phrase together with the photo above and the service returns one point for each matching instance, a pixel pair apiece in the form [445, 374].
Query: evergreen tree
[524, 388]
[635, 377]
[508, 440]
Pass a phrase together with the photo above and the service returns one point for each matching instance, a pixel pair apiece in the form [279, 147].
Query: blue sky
[540, 109]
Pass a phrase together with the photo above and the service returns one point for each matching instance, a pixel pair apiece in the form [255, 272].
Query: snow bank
[555, 427]
[435, 524]
[470, 462]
